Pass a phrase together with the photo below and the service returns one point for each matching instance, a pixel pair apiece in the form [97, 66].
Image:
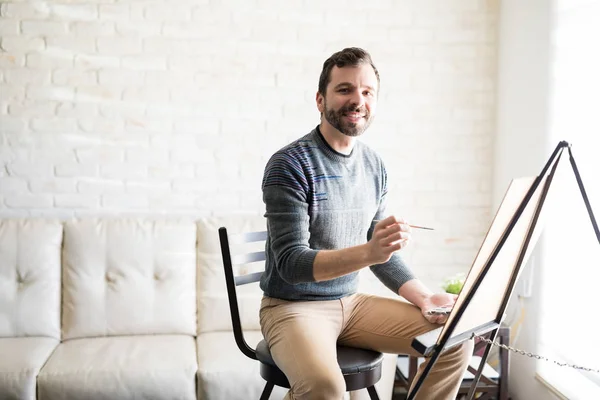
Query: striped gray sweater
[317, 198]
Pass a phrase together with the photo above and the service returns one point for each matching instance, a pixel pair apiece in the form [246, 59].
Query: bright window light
[571, 270]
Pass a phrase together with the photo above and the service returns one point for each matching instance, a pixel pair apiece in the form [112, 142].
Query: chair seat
[350, 359]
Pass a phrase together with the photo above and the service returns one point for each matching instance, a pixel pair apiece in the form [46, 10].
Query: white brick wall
[175, 107]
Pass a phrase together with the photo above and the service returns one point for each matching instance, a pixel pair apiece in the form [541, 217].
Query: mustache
[353, 108]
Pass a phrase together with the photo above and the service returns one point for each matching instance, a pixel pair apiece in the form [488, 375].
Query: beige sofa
[126, 308]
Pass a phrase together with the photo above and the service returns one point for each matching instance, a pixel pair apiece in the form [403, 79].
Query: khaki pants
[302, 336]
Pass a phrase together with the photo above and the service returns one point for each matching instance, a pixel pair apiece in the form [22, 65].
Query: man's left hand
[437, 300]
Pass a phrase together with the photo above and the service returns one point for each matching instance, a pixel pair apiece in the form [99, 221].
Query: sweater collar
[329, 151]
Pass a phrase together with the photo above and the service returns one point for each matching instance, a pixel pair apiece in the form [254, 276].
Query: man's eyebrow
[343, 84]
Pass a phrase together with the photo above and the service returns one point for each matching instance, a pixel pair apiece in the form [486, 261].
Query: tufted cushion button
[110, 277]
[159, 276]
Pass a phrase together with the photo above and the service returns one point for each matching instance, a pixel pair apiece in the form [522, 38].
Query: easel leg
[504, 337]
[486, 353]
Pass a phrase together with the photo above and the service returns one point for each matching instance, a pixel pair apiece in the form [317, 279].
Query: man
[325, 197]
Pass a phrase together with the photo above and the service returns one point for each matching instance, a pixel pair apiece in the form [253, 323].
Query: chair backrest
[231, 262]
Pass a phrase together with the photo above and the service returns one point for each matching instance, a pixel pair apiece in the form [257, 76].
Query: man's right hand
[389, 235]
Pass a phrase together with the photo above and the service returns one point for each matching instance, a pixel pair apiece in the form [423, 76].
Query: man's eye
[344, 90]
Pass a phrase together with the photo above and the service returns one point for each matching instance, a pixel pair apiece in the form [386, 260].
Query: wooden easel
[463, 322]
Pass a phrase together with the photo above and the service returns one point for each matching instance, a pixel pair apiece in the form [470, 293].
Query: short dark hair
[350, 56]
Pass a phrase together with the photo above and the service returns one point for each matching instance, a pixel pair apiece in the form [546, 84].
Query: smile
[353, 115]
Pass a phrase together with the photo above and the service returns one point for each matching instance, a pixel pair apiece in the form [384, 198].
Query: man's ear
[320, 102]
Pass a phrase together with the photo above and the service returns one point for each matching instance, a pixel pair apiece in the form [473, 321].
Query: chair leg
[373, 393]
[267, 391]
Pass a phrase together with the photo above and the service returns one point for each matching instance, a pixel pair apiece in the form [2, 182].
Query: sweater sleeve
[395, 272]
[286, 195]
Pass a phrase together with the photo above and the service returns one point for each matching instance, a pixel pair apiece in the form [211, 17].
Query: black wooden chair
[361, 368]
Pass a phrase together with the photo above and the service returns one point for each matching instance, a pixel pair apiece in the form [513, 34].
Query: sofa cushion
[30, 277]
[122, 367]
[129, 276]
[21, 361]
[224, 373]
[213, 304]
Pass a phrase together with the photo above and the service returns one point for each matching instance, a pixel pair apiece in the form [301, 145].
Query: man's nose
[357, 100]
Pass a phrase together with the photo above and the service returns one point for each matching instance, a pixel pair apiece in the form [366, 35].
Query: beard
[335, 119]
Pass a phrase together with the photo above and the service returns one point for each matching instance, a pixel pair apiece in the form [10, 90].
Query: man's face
[350, 100]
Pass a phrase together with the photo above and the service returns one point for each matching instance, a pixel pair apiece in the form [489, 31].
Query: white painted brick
[166, 171]
[274, 31]
[12, 60]
[76, 170]
[77, 44]
[9, 28]
[171, 47]
[101, 125]
[99, 154]
[96, 61]
[99, 94]
[474, 199]
[79, 110]
[119, 46]
[123, 171]
[189, 30]
[20, 76]
[146, 94]
[149, 125]
[10, 185]
[58, 125]
[13, 123]
[168, 78]
[167, 12]
[136, 12]
[21, 44]
[224, 165]
[130, 111]
[53, 185]
[115, 76]
[148, 187]
[191, 154]
[171, 201]
[125, 201]
[209, 15]
[462, 5]
[191, 186]
[92, 28]
[49, 59]
[411, 35]
[77, 201]
[25, 10]
[459, 36]
[74, 77]
[139, 29]
[144, 63]
[44, 28]
[114, 12]
[100, 186]
[150, 155]
[32, 109]
[28, 201]
[76, 12]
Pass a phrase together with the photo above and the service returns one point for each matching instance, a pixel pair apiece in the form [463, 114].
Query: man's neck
[337, 140]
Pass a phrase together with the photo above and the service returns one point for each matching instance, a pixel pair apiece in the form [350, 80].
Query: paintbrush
[412, 226]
